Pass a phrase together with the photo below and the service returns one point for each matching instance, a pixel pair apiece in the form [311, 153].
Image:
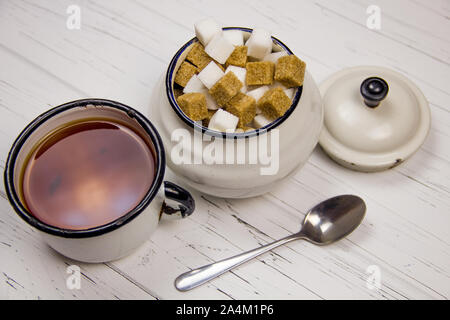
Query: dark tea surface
[87, 174]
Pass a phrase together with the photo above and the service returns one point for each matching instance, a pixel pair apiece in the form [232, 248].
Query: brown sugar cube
[177, 92]
[193, 105]
[220, 66]
[238, 57]
[290, 71]
[205, 121]
[243, 107]
[251, 59]
[184, 73]
[259, 73]
[198, 56]
[226, 88]
[274, 103]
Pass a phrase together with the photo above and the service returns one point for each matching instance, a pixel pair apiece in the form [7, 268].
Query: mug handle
[178, 204]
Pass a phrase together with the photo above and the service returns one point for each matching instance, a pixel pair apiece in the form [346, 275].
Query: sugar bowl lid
[374, 118]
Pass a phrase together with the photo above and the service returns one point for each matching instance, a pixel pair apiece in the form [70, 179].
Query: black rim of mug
[99, 230]
[197, 126]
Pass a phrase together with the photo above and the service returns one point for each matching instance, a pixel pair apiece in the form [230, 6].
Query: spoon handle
[194, 278]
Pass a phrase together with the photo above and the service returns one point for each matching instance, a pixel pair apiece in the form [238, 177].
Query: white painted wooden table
[120, 52]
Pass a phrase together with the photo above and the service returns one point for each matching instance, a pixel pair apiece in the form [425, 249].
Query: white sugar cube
[290, 92]
[219, 48]
[258, 92]
[236, 37]
[194, 85]
[210, 74]
[206, 29]
[223, 121]
[259, 44]
[211, 104]
[273, 57]
[240, 73]
[260, 121]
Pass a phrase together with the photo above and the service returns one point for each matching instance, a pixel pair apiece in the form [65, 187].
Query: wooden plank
[122, 50]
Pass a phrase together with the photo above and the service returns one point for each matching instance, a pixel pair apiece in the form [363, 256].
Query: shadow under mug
[121, 236]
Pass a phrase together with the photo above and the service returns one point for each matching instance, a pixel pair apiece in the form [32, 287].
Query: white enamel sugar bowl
[236, 164]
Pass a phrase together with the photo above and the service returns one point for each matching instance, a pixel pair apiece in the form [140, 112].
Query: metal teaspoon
[328, 222]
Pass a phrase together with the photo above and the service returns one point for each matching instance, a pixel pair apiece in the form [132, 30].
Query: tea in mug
[87, 174]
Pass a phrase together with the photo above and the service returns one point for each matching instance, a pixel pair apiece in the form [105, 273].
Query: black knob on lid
[374, 90]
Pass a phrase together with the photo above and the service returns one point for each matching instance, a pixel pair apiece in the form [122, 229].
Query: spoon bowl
[333, 219]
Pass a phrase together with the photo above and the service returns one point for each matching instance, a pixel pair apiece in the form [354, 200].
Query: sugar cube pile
[234, 81]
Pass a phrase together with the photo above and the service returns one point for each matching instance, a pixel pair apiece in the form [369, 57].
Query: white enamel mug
[121, 236]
